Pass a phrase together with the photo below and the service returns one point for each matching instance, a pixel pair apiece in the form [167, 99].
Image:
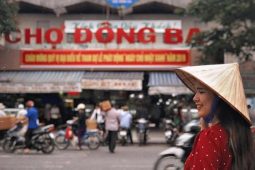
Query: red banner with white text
[105, 58]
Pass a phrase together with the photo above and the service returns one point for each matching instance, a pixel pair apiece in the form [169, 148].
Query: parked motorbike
[171, 131]
[123, 136]
[175, 156]
[142, 130]
[64, 138]
[42, 140]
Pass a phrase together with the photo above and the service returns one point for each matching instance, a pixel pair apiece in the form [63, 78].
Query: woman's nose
[195, 98]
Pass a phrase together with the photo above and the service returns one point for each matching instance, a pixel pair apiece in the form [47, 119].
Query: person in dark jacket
[81, 118]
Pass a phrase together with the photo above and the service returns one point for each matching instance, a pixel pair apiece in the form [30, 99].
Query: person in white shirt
[21, 115]
[2, 107]
[22, 111]
[98, 116]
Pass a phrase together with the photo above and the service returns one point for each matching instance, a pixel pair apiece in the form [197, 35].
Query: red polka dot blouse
[210, 150]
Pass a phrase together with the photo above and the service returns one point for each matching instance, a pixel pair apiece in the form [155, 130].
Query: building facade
[83, 49]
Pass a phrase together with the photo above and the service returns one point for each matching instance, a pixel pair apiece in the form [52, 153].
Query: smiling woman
[203, 99]
[225, 141]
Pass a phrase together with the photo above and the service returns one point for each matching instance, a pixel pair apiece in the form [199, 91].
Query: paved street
[125, 158]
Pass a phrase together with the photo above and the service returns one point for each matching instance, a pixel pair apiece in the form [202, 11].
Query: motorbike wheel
[123, 141]
[48, 145]
[93, 142]
[168, 162]
[61, 142]
[9, 146]
[141, 139]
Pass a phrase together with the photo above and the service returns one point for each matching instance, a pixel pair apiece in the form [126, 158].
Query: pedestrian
[112, 127]
[99, 117]
[126, 122]
[32, 116]
[225, 140]
[81, 121]
[178, 118]
[2, 107]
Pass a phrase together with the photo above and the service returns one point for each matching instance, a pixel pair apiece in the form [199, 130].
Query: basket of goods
[7, 122]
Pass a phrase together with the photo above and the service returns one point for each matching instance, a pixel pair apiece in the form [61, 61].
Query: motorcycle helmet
[80, 106]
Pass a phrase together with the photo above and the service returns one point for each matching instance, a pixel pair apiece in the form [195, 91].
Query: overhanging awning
[40, 81]
[130, 81]
[166, 83]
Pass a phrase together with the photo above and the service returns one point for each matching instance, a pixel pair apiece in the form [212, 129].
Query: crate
[91, 124]
[105, 105]
[7, 122]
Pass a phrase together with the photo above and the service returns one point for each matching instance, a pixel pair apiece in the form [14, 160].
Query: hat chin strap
[209, 117]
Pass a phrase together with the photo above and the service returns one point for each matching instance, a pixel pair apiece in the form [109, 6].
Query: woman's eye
[201, 91]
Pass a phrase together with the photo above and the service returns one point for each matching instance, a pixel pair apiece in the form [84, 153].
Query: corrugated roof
[114, 75]
[41, 76]
[166, 83]
[164, 79]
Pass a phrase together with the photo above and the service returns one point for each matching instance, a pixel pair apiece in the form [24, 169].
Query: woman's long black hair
[240, 137]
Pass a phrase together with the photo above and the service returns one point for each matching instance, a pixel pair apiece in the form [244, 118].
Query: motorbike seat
[43, 129]
[38, 131]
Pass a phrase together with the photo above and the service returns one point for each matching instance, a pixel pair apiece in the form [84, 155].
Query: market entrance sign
[100, 31]
[103, 35]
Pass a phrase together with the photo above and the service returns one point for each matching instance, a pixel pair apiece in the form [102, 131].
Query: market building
[91, 50]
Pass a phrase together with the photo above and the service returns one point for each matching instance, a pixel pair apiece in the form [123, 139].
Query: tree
[8, 12]
[235, 33]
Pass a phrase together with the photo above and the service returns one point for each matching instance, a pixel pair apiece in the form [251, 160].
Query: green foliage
[235, 33]
[8, 12]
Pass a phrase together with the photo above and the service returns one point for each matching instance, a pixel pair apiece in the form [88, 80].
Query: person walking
[32, 116]
[112, 127]
[126, 122]
[225, 140]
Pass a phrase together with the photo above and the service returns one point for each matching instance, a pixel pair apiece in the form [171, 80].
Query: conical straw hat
[224, 79]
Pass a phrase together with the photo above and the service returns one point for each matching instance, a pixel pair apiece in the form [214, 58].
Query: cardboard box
[105, 105]
[7, 122]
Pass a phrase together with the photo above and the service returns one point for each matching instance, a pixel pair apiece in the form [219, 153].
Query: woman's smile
[203, 100]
